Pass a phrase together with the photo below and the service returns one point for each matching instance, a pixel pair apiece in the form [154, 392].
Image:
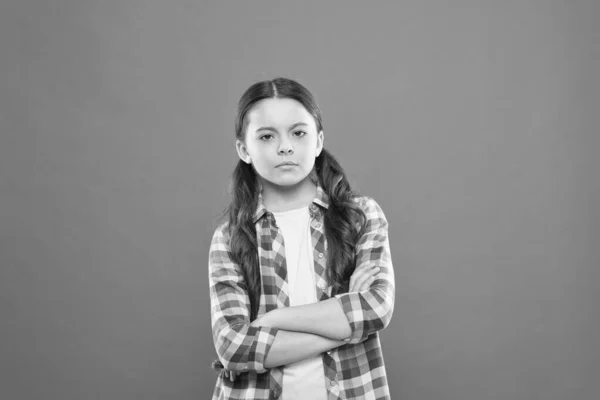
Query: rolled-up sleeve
[239, 346]
[371, 310]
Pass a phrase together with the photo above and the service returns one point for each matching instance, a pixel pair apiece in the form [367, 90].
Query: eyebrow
[270, 128]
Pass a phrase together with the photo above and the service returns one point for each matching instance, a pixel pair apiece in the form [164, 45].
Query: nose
[285, 147]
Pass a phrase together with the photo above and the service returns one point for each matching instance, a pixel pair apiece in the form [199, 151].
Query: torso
[304, 379]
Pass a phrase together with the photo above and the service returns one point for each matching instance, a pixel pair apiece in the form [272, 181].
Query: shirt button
[329, 352]
[318, 225]
[323, 286]
[321, 255]
[333, 383]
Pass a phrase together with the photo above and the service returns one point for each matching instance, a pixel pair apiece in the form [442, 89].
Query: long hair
[344, 221]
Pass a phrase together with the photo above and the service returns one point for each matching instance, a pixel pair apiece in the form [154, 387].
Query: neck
[284, 198]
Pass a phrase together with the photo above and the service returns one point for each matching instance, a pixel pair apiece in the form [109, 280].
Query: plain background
[474, 124]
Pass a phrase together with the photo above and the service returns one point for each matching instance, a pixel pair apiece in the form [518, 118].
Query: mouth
[286, 164]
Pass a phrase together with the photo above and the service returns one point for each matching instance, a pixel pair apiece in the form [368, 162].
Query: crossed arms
[287, 335]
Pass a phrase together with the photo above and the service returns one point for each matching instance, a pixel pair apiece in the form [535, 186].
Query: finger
[363, 276]
[360, 270]
[365, 267]
[226, 373]
[367, 284]
[232, 376]
[363, 273]
[359, 282]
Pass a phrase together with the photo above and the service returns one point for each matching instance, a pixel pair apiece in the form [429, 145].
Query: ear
[320, 139]
[242, 151]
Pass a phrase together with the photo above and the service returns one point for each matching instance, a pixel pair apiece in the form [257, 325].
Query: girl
[301, 276]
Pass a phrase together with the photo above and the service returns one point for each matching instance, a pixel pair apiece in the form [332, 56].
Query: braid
[242, 231]
[341, 220]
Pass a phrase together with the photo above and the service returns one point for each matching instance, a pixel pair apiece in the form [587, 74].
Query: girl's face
[281, 141]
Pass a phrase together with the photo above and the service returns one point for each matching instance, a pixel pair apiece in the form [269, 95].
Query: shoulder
[374, 215]
[221, 236]
[369, 206]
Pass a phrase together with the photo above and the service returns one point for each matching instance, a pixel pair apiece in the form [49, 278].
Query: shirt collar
[320, 199]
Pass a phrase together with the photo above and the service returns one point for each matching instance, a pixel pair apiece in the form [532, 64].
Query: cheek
[256, 151]
[311, 148]
[261, 158]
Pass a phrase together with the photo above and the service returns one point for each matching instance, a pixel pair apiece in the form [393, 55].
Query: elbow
[369, 311]
[386, 317]
[232, 360]
[383, 313]
[226, 356]
[242, 349]
[228, 352]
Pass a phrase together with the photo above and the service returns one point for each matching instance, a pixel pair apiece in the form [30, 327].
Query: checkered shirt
[354, 370]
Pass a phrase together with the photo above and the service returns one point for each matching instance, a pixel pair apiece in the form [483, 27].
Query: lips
[286, 163]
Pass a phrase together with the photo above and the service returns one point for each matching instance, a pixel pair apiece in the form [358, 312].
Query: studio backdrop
[473, 124]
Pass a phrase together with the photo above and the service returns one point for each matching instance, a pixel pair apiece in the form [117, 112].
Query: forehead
[278, 113]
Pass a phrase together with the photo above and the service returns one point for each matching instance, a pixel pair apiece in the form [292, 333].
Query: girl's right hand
[231, 375]
[362, 278]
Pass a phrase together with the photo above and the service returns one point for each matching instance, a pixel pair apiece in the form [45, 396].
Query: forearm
[289, 347]
[368, 312]
[325, 318]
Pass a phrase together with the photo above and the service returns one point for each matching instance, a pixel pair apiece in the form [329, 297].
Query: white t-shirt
[304, 379]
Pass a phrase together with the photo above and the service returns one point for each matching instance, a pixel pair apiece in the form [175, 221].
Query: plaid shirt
[354, 370]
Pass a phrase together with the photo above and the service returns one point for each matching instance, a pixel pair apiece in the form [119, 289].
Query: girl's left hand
[362, 278]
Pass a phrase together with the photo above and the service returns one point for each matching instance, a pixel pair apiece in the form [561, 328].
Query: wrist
[266, 319]
[270, 318]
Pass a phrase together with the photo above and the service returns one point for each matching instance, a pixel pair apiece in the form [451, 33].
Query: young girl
[301, 277]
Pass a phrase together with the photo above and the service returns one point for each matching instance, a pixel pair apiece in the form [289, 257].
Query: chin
[287, 182]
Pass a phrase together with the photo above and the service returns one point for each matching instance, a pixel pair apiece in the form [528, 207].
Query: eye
[266, 137]
[299, 133]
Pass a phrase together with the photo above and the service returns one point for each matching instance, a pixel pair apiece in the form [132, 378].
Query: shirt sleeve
[371, 310]
[239, 346]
